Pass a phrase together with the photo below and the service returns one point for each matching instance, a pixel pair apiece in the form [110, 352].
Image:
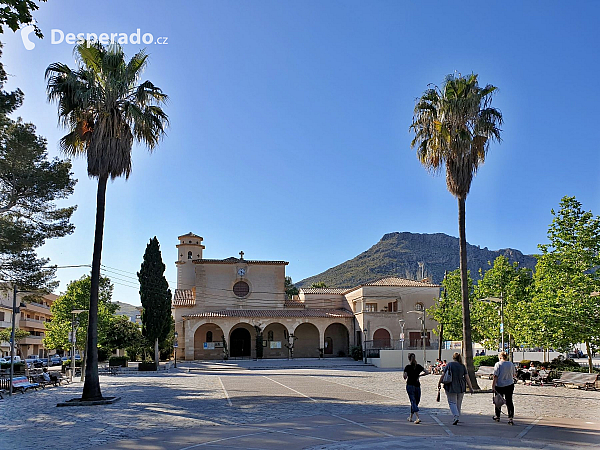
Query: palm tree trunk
[91, 386]
[156, 354]
[464, 287]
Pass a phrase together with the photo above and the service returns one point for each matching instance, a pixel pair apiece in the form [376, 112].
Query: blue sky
[289, 125]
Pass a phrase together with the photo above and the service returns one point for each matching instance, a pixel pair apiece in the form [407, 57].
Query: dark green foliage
[15, 13]
[118, 361]
[18, 367]
[103, 354]
[398, 254]
[356, 352]
[486, 360]
[123, 334]
[155, 294]
[290, 289]
[527, 362]
[30, 184]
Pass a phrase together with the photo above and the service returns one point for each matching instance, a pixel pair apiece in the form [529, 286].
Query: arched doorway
[275, 339]
[381, 338]
[241, 343]
[208, 342]
[337, 340]
[306, 344]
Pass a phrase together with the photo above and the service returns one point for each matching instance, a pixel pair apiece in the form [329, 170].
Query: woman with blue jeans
[455, 390]
[412, 372]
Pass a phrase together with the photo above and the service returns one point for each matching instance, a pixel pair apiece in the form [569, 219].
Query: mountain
[126, 309]
[400, 254]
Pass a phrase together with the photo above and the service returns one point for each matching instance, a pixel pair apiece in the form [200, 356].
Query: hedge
[485, 360]
[118, 361]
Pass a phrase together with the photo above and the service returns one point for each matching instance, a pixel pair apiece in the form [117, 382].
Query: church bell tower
[189, 249]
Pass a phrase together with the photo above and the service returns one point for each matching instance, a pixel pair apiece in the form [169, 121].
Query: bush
[356, 352]
[527, 363]
[103, 354]
[486, 360]
[117, 361]
[18, 367]
[561, 363]
[341, 353]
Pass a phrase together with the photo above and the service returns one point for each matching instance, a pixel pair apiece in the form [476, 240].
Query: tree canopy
[14, 13]
[77, 296]
[30, 185]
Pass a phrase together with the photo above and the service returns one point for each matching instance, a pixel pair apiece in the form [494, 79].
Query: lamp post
[366, 332]
[401, 323]
[15, 311]
[501, 301]
[423, 330]
[75, 312]
[175, 345]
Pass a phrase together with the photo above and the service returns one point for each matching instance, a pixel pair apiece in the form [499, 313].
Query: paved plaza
[331, 404]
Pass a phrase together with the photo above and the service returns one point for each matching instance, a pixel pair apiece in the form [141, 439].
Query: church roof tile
[278, 313]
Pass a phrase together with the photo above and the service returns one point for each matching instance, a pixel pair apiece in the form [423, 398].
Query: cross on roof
[241, 255]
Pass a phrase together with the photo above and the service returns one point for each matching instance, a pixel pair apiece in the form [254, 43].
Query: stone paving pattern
[293, 407]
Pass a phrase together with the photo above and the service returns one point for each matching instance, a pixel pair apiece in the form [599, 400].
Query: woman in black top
[412, 372]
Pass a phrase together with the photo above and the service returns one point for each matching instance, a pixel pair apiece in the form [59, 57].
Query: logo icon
[25, 32]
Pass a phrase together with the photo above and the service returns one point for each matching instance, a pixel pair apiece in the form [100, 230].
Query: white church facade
[220, 306]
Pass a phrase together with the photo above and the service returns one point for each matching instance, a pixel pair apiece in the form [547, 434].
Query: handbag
[498, 400]
[447, 376]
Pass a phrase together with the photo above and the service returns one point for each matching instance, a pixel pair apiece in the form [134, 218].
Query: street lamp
[501, 301]
[422, 319]
[401, 323]
[15, 311]
[75, 312]
[366, 332]
[175, 345]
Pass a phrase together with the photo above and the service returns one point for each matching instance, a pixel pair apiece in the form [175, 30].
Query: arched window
[270, 335]
[189, 255]
[286, 335]
[209, 336]
[419, 306]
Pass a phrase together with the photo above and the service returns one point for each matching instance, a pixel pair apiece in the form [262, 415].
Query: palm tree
[105, 110]
[453, 127]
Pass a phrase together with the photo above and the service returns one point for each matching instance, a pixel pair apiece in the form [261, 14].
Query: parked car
[4, 361]
[35, 361]
[17, 359]
[55, 360]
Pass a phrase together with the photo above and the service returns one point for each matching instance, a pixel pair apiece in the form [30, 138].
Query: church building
[220, 306]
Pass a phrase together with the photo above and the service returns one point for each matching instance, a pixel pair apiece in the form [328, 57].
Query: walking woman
[412, 372]
[455, 389]
[504, 384]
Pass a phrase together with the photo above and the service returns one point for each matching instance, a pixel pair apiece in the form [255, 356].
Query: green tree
[155, 296]
[15, 13]
[77, 296]
[564, 312]
[290, 288]
[105, 110]
[513, 285]
[6, 333]
[122, 334]
[319, 285]
[30, 184]
[453, 127]
[447, 310]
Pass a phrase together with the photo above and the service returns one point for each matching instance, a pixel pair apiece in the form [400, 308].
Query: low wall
[392, 359]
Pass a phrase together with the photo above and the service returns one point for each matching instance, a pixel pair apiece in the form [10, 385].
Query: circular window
[241, 289]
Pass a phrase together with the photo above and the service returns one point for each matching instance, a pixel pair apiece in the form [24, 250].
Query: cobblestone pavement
[216, 406]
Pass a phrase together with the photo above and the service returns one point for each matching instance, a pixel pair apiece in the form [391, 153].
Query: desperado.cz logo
[58, 36]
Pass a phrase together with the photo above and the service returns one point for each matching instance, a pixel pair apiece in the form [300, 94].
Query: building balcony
[37, 307]
[31, 340]
[32, 323]
[4, 324]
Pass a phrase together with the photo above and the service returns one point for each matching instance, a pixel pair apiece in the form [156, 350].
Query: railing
[374, 346]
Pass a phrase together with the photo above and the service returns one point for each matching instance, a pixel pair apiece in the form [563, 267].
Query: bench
[22, 384]
[2, 392]
[485, 372]
[39, 378]
[579, 379]
[540, 377]
[57, 378]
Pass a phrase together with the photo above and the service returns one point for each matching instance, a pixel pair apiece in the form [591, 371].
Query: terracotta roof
[395, 281]
[324, 291]
[293, 303]
[268, 313]
[183, 297]
[233, 260]
[190, 234]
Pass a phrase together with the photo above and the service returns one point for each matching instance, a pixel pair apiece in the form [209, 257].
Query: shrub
[103, 354]
[527, 362]
[18, 367]
[486, 360]
[341, 353]
[117, 361]
[356, 352]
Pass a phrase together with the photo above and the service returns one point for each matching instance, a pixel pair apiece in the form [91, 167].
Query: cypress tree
[155, 296]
